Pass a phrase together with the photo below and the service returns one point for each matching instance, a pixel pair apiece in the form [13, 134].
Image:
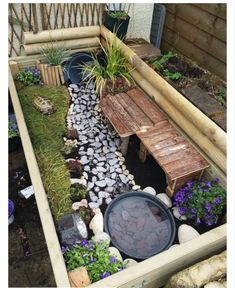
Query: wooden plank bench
[134, 113]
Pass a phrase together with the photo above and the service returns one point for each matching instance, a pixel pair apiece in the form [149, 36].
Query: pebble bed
[104, 171]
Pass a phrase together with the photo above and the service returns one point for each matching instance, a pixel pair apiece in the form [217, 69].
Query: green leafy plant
[159, 63]
[69, 147]
[86, 213]
[116, 67]
[55, 54]
[29, 76]
[95, 257]
[221, 95]
[172, 75]
[119, 15]
[78, 192]
[203, 201]
[12, 129]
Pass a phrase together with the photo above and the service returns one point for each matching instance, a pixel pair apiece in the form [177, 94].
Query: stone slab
[203, 101]
[146, 51]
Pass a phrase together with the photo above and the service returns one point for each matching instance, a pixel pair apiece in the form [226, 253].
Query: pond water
[139, 227]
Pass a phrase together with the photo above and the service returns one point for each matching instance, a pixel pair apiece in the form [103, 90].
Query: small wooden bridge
[134, 113]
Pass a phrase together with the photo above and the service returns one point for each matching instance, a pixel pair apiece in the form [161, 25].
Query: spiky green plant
[116, 66]
[55, 54]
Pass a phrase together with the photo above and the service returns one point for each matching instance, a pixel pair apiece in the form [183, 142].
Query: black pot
[13, 143]
[139, 224]
[118, 26]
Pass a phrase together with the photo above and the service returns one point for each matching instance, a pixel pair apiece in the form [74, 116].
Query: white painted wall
[140, 20]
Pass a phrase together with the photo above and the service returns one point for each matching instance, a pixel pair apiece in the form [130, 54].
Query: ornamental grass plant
[202, 201]
[115, 67]
[55, 54]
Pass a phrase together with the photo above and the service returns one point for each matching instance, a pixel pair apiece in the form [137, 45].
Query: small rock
[84, 160]
[101, 183]
[93, 205]
[177, 215]
[93, 197]
[90, 185]
[90, 151]
[113, 161]
[130, 177]
[108, 200]
[128, 262]
[136, 187]
[126, 172]
[103, 194]
[123, 178]
[100, 169]
[97, 222]
[115, 253]
[97, 189]
[150, 190]
[186, 233]
[101, 237]
[165, 199]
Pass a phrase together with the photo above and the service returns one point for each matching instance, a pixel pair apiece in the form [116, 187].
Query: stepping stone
[202, 100]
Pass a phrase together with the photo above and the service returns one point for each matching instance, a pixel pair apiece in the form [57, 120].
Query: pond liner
[73, 73]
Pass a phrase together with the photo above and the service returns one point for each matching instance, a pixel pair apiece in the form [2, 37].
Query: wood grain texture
[197, 31]
[196, 36]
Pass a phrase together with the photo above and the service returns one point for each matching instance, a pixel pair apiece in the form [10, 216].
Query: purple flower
[112, 260]
[182, 210]
[84, 243]
[194, 210]
[198, 221]
[120, 269]
[63, 249]
[217, 200]
[26, 253]
[208, 207]
[104, 275]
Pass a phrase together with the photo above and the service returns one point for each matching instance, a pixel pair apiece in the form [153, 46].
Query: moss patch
[46, 136]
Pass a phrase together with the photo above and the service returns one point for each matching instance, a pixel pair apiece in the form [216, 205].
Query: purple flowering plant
[202, 201]
[29, 76]
[95, 257]
[12, 129]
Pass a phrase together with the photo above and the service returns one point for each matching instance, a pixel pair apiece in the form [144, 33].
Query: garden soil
[29, 262]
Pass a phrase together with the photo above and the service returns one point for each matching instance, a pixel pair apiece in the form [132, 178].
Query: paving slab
[206, 104]
[146, 51]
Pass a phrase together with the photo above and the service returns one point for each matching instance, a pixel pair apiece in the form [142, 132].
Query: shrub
[78, 192]
[116, 67]
[29, 76]
[55, 54]
[202, 201]
[95, 257]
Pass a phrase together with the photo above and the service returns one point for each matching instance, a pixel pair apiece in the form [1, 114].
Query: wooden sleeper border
[155, 271]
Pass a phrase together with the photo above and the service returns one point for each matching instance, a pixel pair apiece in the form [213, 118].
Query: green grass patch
[46, 136]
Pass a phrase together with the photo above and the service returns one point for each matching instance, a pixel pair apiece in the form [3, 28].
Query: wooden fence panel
[197, 31]
[49, 16]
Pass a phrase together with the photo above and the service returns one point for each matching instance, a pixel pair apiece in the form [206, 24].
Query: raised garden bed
[206, 137]
[204, 90]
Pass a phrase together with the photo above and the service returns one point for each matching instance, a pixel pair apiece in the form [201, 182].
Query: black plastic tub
[73, 72]
[115, 25]
[139, 225]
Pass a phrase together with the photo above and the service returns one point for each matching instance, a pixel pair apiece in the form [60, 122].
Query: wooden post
[61, 75]
[14, 68]
[124, 145]
[143, 152]
[43, 18]
[35, 18]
